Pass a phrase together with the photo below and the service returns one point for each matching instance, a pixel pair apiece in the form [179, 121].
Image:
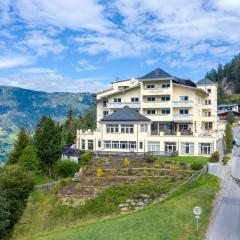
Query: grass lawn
[40, 179]
[185, 159]
[169, 220]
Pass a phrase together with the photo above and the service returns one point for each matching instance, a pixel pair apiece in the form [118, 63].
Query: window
[170, 147]
[187, 148]
[165, 98]
[99, 143]
[208, 125]
[154, 146]
[121, 88]
[112, 128]
[141, 145]
[165, 85]
[83, 144]
[132, 145]
[151, 99]
[127, 128]
[105, 101]
[105, 113]
[183, 111]
[90, 144]
[183, 98]
[165, 111]
[150, 86]
[143, 128]
[208, 102]
[116, 100]
[183, 126]
[209, 90]
[207, 114]
[115, 144]
[107, 144]
[151, 111]
[205, 148]
[134, 99]
[123, 144]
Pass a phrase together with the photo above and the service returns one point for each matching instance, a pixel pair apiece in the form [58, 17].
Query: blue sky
[79, 45]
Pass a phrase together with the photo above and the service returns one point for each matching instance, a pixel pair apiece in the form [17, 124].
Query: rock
[139, 204]
[123, 205]
[146, 201]
[144, 196]
[124, 209]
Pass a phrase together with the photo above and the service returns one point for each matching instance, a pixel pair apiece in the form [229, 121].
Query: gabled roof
[157, 73]
[205, 81]
[125, 114]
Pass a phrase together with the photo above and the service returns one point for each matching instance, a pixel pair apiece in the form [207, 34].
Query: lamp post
[197, 212]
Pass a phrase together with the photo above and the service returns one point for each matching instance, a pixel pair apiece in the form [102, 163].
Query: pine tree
[47, 141]
[20, 143]
[230, 117]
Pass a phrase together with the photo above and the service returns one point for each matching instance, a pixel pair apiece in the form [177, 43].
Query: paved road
[225, 223]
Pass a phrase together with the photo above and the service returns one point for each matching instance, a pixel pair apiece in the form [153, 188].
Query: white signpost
[197, 212]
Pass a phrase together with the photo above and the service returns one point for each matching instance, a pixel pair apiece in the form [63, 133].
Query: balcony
[182, 103]
[182, 117]
[115, 105]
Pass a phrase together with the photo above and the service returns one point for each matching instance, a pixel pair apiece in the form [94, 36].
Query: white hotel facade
[157, 113]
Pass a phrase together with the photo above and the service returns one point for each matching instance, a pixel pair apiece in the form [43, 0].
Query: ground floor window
[99, 143]
[183, 126]
[141, 145]
[83, 144]
[187, 148]
[90, 144]
[205, 148]
[120, 144]
[170, 147]
[154, 146]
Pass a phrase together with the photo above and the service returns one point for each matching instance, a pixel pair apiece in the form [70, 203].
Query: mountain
[23, 108]
[228, 78]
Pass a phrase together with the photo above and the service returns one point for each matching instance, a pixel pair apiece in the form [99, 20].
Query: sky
[84, 45]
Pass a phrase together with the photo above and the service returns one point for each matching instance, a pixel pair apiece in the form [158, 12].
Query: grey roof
[185, 82]
[205, 81]
[125, 114]
[157, 73]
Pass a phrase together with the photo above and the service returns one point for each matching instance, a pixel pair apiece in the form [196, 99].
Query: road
[225, 223]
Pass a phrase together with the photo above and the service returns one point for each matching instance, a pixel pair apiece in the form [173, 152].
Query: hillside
[23, 108]
[170, 219]
[228, 78]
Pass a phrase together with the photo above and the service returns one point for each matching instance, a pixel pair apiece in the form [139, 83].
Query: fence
[46, 186]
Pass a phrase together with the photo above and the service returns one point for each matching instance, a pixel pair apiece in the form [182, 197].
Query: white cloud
[10, 61]
[84, 65]
[53, 82]
[36, 70]
[71, 14]
[40, 43]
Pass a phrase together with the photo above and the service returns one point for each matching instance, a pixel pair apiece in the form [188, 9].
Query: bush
[16, 186]
[151, 159]
[226, 158]
[99, 172]
[66, 168]
[28, 159]
[65, 181]
[126, 162]
[86, 158]
[214, 157]
[196, 166]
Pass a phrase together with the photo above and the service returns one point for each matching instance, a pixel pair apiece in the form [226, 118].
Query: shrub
[226, 158]
[78, 186]
[65, 181]
[126, 162]
[66, 168]
[28, 159]
[86, 158]
[151, 159]
[99, 172]
[196, 166]
[214, 157]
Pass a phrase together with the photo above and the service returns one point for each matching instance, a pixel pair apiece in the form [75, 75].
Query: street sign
[197, 212]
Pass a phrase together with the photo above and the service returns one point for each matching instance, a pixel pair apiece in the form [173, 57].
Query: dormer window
[209, 90]
[117, 100]
[150, 86]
